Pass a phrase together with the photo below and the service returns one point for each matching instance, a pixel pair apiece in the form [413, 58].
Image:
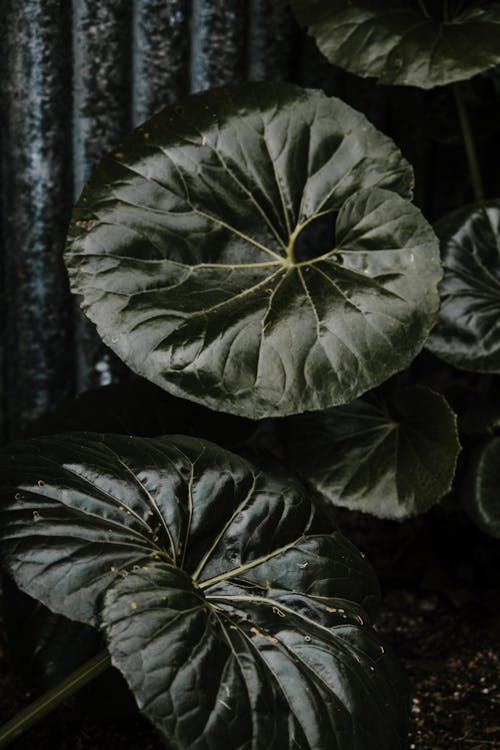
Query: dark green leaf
[243, 250]
[48, 647]
[225, 587]
[480, 489]
[252, 668]
[468, 332]
[391, 453]
[423, 43]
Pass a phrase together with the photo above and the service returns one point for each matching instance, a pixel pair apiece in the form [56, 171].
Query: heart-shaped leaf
[468, 332]
[46, 646]
[232, 606]
[480, 489]
[391, 453]
[243, 250]
[423, 43]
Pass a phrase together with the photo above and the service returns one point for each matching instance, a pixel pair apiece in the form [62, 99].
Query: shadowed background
[76, 76]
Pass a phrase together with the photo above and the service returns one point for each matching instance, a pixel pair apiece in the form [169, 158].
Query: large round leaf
[468, 332]
[391, 453]
[481, 487]
[421, 43]
[242, 250]
[38, 638]
[233, 607]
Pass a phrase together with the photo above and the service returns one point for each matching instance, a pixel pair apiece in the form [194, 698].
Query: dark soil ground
[441, 618]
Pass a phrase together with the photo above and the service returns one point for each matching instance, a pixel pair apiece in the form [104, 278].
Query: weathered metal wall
[75, 76]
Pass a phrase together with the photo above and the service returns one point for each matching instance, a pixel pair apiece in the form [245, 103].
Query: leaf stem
[470, 147]
[50, 700]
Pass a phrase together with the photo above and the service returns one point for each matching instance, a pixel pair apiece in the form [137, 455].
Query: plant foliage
[233, 607]
[391, 453]
[253, 249]
[423, 43]
[468, 333]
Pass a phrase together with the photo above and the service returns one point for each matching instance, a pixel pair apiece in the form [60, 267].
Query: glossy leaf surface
[391, 453]
[423, 43]
[222, 587]
[39, 638]
[248, 249]
[480, 491]
[468, 332]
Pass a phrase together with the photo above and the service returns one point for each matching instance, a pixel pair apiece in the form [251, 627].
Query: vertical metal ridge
[36, 194]
[218, 42]
[272, 40]
[161, 55]
[102, 115]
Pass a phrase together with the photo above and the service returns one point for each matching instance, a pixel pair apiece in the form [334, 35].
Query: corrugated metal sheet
[75, 76]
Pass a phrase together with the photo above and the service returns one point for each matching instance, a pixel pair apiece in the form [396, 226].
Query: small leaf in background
[252, 249]
[391, 453]
[226, 591]
[423, 43]
[480, 491]
[467, 335]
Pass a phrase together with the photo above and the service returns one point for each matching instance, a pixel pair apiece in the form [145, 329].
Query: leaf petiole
[470, 146]
[50, 700]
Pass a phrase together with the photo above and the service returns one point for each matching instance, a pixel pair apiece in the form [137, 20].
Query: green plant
[254, 249]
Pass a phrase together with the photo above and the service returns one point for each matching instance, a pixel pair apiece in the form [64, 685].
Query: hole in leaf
[317, 238]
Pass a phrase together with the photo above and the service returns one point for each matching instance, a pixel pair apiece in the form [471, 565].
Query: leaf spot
[86, 224]
[41, 483]
[307, 638]
[18, 496]
[133, 605]
[331, 609]
[36, 515]
[278, 612]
